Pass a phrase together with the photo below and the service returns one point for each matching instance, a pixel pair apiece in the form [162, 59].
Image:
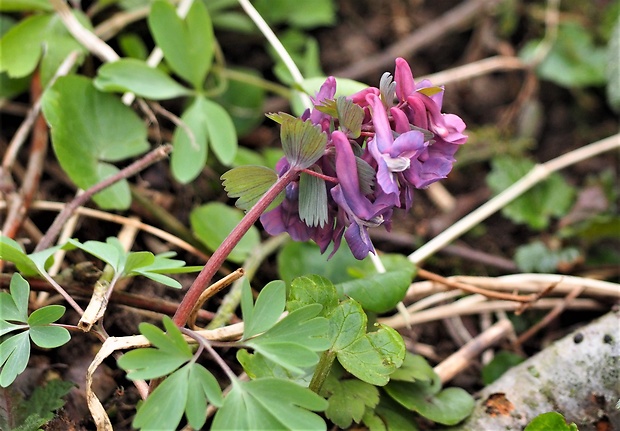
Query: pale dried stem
[536, 175]
[114, 218]
[210, 292]
[462, 358]
[475, 69]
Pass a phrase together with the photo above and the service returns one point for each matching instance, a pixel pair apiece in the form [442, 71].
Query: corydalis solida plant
[358, 158]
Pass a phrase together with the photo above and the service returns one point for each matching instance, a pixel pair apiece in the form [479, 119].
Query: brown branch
[137, 166]
[473, 289]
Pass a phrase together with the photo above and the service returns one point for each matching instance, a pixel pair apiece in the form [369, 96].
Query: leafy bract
[188, 44]
[214, 221]
[136, 76]
[380, 292]
[350, 116]
[312, 199]
[90, 129]
[15, 348]
[249, 184]
[303, 142]
[170, 351]
[370, 357]
[552, 197]
[270, 403]
[38, 38]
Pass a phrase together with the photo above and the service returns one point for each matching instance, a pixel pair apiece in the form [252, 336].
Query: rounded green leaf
[188, 44]
[49, 337]
[90, 128]
[189, 154]
[550, 421]
[347, 323]
[222, 133]
[14, 354]
[214, 221]
[46, 315]
[137, 77]
[378, 293]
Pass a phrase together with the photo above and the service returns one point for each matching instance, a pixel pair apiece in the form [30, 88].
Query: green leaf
[249, 184]
[256, 366]
[537, 257]
[312, 199]
[133, 46]
[214, 221]
[613, 68]
[170, 352]
[300, 258]
[111, 251]
[202, 386]
[14, 354]
[348, 400]
[6, 327]
[188, 44]
[379, 292]
[312, 289]
[298, 14]
[45, 400]
[162, 264]
[415, 368]
[222, 134]
[270, 403]
[46, 315]
[267, 309]
[25, 5]
[551, 421]
[89, 130]
[38, 37]
[11, 251]
[550, 198]
[303, 142]
[158, 412]
[243, 100]
[370, 357]
[500, 363]
[49, 337]
[189, 153]
[294, 341]
[136, 76]
[14, 305]
[137, 260]
[447, 407]
[573, 60]
[389, 416]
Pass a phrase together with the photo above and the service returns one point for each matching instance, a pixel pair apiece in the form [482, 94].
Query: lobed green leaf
[312, 289]
[303, 142]
[14, 354]
[267, 309]
[249, 184]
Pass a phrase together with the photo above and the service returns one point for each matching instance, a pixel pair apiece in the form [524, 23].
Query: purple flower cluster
[404, 143]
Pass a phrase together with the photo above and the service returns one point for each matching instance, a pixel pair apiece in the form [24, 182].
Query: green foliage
[349, 399]
[613, 68]
[249, 184]
[425, 396]
[190, 386]
[537, 257]
[25, 5]
[291, 343]
[269, 403]
[551, 421]
[298, 14]
[36, 411]
[371, 356]
[389, 416]
[128, 264]
[27, 264]
[574, 60]
[15, 348]
[136, 76]
[500, 363]
[551, 198]
[38, 39]
[214, 221]
[90, 129]
[188, 44]
[312, 289]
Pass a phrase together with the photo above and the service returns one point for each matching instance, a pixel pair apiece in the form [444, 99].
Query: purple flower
[393, 156]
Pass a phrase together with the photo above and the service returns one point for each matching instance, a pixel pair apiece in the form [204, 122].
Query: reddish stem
[322, 176]
[219, 256]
